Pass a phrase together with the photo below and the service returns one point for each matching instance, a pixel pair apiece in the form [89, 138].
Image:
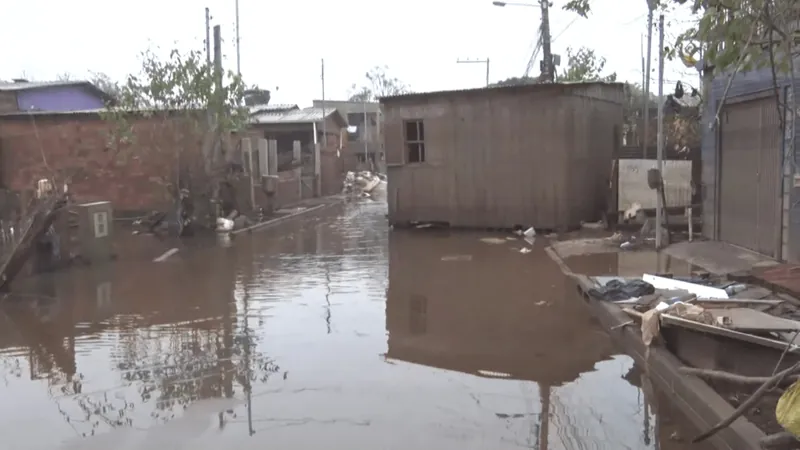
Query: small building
[307, 126]
[749, 175]
[364, 136]
[60, 96]
[531, 155]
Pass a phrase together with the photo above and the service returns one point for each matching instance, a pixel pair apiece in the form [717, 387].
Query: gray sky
[282, 42]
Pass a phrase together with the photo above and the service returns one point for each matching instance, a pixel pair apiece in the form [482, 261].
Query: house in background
[533, 155]
[57, 96]
[365, 136]
[308, 126]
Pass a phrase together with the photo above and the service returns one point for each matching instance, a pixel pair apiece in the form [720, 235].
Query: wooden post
[247, 151]
[263, 157]
[317, 171]
[297, 158]
[272, 150]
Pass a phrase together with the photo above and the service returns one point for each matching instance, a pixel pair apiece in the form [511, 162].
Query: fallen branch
[734, 378]
[778, 441]
[746, 405]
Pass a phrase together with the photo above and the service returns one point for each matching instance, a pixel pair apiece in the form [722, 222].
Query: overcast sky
[282, 42]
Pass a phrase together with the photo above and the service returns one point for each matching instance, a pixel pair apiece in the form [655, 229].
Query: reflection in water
[283, 335]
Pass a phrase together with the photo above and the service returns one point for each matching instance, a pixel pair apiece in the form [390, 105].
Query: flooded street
[330, 333]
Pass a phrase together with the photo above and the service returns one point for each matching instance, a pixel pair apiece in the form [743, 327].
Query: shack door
[750, 174]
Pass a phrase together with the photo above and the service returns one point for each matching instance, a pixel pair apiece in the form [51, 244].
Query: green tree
[106, 84]
[734, 34]
[378, 84]
[584, 65]
[188, 104]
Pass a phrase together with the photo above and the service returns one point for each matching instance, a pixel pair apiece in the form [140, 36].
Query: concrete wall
[753, 84]
[530, 155]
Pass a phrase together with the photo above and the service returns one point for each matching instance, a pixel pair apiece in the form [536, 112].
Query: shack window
[415, 141]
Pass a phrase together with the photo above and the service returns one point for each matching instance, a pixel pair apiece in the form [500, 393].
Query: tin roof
[275, 107]
[492, 89]
[305, 115]
[6, 86]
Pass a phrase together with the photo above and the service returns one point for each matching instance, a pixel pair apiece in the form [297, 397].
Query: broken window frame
[414, 145]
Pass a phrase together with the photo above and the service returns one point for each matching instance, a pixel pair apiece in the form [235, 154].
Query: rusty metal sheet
[783, 277]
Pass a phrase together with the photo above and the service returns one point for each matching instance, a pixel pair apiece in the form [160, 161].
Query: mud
[333, 332]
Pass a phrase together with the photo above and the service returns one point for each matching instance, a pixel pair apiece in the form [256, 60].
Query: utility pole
[660, 135]
[364, 137]
[477, 61]
[645, 100]
[324, 124]
[646, 118]
[238, 53]
[208, 37]
[547, 66]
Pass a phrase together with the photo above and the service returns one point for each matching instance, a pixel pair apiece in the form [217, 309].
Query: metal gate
[750, 176]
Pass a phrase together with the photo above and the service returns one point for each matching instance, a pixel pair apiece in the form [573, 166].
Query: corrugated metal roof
[518, 87]
[11, 86]
[305, 115]
[277, 107]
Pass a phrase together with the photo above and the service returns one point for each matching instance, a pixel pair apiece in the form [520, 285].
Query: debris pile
[363, 184]
[741, 317]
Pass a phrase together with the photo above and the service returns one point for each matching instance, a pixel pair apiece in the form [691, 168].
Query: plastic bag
[787, 411]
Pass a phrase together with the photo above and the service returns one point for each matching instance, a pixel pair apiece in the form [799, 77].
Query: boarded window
[415, 141]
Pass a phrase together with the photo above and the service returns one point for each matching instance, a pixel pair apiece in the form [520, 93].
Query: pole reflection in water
[544, 416]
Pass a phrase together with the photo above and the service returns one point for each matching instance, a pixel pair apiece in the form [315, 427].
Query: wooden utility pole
[208, 36]
[646, 118]
[660, 135]
[548, 72]
[218, 99]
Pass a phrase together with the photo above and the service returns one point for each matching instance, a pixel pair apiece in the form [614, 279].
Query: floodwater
[334, 333]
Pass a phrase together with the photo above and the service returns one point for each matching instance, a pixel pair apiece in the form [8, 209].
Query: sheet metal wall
[535, 156]
[751, 85]
[750, 175]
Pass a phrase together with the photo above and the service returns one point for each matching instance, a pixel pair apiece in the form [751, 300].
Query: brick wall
[134, 176]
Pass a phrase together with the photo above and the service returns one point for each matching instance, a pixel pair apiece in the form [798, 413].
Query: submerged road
[327, 333]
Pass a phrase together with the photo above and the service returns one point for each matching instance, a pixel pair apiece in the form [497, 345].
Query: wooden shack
[533, 155]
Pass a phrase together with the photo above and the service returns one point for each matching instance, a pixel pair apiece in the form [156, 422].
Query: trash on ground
[599, 225]
[622, 290]
[457, 258]
[166, 255]
[699, 290]
[362, 183]
[631, 212]
[224, 225]
[787, 411]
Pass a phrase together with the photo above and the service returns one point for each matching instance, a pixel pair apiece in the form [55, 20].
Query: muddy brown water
[333, 332]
